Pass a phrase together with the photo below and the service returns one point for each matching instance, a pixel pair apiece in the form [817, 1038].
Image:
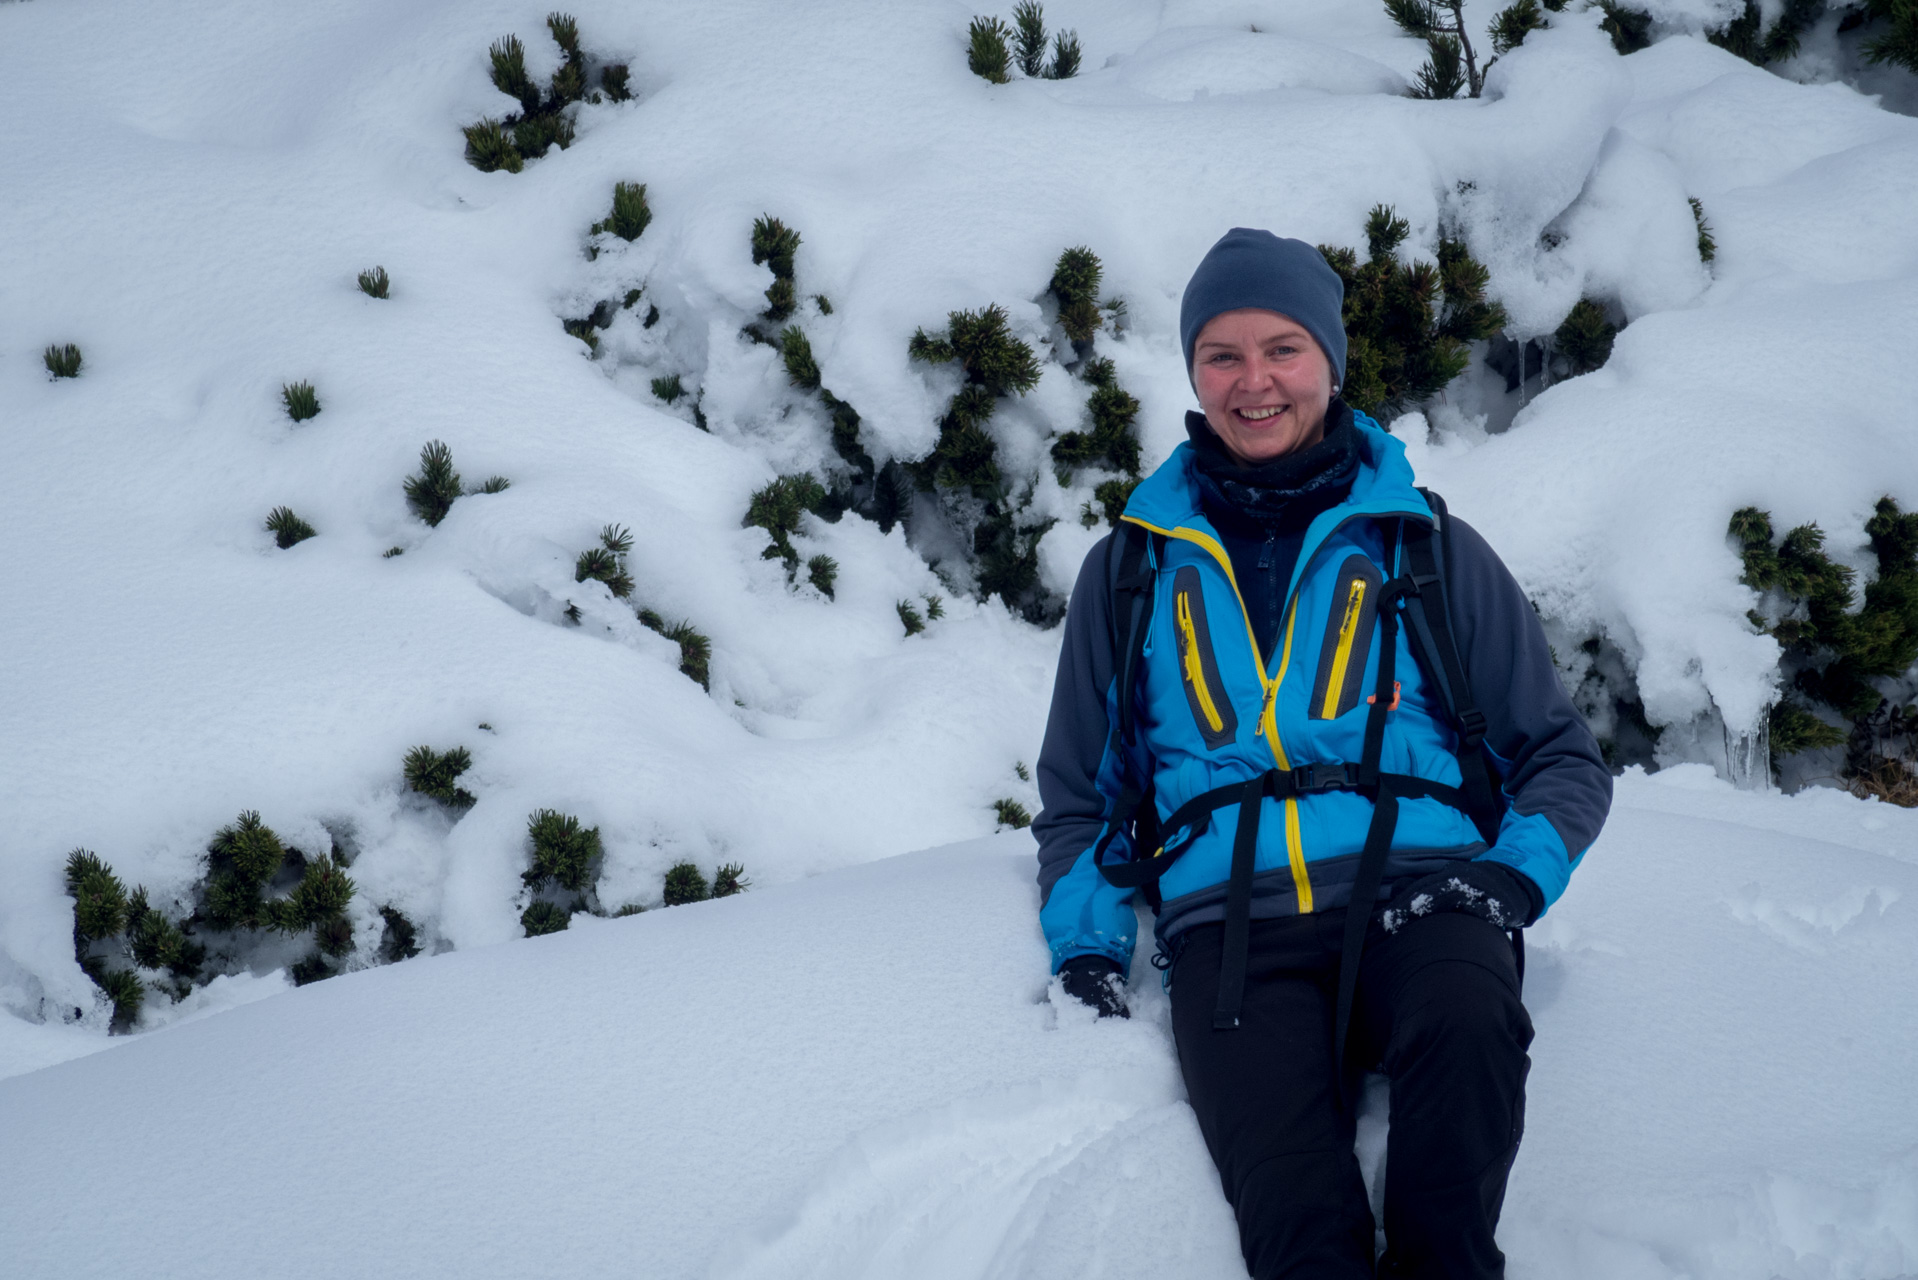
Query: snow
[865, 1074]
[861, 1064]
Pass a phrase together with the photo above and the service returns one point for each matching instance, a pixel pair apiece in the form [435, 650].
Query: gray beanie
[1249, 268]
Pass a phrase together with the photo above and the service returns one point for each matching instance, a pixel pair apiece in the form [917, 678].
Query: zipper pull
[1271, 542]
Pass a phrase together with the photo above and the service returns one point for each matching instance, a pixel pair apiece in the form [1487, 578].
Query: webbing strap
[1385, 817]
[1238, 906]
[1134, 588]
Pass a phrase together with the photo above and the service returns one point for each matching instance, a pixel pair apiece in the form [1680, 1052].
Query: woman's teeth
[1259, 415]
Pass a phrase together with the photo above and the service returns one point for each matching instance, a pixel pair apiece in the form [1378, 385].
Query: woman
[1253, 725]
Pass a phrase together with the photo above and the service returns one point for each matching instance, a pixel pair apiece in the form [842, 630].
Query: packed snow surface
[865, 1075]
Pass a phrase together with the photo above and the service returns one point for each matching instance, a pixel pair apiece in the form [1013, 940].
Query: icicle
[1748, 755]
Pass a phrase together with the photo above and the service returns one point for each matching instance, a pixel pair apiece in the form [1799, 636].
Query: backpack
[1419, 594]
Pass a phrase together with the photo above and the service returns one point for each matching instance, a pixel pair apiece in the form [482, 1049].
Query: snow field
[865, 1074]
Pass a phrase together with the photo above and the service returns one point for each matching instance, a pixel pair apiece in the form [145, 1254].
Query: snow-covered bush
[436, 774]
[430, 494]
[544, 119]
[607, 562]
[62, 360]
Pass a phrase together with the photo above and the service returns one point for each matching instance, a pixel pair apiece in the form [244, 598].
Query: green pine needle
[375, 283]
[301, 401]
[62, 360]
[431, 494]
[685, 883]
[1707, 243]
[288, 530]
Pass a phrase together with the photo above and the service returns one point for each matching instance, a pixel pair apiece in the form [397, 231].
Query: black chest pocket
[1348, 639]
[1198, 668]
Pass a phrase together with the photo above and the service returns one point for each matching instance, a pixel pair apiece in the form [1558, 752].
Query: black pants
[1438, 1012]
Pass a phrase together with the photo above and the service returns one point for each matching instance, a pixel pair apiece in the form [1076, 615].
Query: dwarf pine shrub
[909, 618]
[1408, 326]
[563, 851]
[729, 880]
[322, 895]
[777, 509]
[1028, 20]
[431, 493]
[1452, 64]
[63, 360]
[668, 388]
[614, 78]
[508, 57]
[695, 650]
[1584, 340]
[1630, 29]
[435, 775]
[1075, 287]
[489, 149]
[288, 530]
[996, 364]
[774, 244]
[1112, 496]
[301, 401]
[607, 562]
[1749, 37]
[400, 940]
[1897, 43]
[375, 283]
[495, 484]
[1111, 442]
[1012, 814]
[823, 571]
[543, 918]
[1707, 243]
[99, 899]
[1833, 650]
[630, 216]
[685, 883]
[986, 50]
[128, 993]
[241, 858]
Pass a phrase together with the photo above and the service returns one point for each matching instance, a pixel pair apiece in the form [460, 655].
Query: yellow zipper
[1268, 715]
[1348, 628]
[1194, 667]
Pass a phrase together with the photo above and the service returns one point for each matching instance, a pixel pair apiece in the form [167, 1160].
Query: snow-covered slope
[189, 192]
[863, 1075]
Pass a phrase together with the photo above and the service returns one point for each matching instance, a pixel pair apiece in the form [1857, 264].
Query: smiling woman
[1263, 383]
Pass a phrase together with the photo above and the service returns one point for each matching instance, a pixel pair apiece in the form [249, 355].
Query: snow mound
[865, 1074]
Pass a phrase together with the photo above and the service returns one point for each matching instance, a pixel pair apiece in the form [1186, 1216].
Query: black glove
[1491, 891]
[1097, 981]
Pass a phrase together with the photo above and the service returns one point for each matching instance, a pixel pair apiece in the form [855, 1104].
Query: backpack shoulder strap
[1431, 633]
[1132, 613]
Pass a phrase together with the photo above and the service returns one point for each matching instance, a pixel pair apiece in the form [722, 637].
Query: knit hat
[1249, 268]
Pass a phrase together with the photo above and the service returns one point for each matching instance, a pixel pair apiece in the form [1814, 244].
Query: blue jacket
[1211, 710]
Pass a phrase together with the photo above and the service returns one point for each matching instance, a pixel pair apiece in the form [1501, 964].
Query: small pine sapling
[1707, 243]
[375, 283]
[614, 78]
[1898, 45]
[996, 364]
[1111, 442]
[986, 50]
[333, 935]
[543, 918]
[1585, 338]
[495, 484]
[774, 244]
[1066, 55]
[563, 851]
[1020, 771]
[324, 892]
[1630, 29]
[431, 493]
[124, 988]
[62, 360]
[583, 330]
[685, 883]
[824, 304]
[823, 571]
[1513, 24]
[301, 401]
[435, 775]
[729, 880]
[607, 562]
[1451, 64]
[909, 618]
[668, 388]
[288, 530]
[695, 650]
[1794, 729]
[935, 607]
[390, 552]
[241, 858]
[631, 214]
[1012, 814]
[1029, 22]
[1112, 496]
[488, 149]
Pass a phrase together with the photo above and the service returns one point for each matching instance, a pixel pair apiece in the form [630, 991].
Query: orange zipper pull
[1393, 705]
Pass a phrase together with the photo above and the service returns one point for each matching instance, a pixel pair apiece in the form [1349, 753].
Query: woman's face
[1263, 383]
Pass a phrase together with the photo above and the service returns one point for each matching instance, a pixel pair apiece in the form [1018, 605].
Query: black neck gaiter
[1291, 489]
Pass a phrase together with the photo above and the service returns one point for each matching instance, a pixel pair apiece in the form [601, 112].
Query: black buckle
[1473, 721]
[1314, 779]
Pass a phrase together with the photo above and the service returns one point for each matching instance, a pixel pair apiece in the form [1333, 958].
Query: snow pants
[1438, 1012]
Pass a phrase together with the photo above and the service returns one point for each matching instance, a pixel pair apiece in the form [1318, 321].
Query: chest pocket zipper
[1348, 640]
[1198, 667]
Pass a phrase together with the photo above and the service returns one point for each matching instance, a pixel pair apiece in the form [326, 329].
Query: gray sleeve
[1550, 760]
[1078, 729]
